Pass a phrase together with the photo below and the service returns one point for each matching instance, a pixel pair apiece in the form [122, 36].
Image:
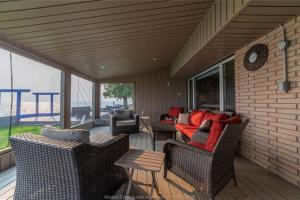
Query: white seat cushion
[126, 123]
[79, 135]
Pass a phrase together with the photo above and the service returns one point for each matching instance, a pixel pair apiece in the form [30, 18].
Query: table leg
[148, 125]
[142, 125]
[130, 181]
[153, 141]
[154, 183]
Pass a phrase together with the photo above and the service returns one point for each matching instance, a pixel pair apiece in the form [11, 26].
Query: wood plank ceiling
[85, 35]
[257, 18]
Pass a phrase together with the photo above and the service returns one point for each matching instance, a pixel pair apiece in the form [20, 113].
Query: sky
[29, 74]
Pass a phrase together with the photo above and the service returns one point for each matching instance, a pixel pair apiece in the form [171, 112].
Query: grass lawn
[15, 131]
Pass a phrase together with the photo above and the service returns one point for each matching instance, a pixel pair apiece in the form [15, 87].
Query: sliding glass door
[207, 89]
[214, 88]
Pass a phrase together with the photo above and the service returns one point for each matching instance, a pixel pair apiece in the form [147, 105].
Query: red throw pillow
[175, 111]
[196, 118]
[214, 116]
[197, 145]
[233, 120]
[213, 137]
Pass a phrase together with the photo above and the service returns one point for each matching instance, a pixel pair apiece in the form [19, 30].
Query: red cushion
[213, 137]
[189, 132]
[197, 145]
[214, 116]
[175, 111]
[233, 120]
[180, 126]
[196, 117]
[167, 121]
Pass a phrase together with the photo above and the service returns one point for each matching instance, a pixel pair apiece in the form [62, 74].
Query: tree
[119, 91]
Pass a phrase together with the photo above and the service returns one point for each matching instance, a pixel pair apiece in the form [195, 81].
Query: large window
[208, 90]
[115, 96]
[214, 88]
[29, 96]
[81, 100]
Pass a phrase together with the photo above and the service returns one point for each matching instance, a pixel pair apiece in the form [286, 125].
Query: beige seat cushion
[126, 123]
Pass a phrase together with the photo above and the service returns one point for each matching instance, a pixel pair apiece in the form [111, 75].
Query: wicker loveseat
[52, 169]
[189, 131]
[207, 171]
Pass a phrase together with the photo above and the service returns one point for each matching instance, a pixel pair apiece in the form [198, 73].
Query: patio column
[65, 108]
[96, 100]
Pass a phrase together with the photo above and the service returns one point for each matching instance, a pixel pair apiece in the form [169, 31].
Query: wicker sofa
[207, 171]
[50, 169]
[189, 131]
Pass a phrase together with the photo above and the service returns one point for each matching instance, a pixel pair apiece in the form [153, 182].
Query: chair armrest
[172, 143]
[199, 137]
[163, 116]
[135, 117]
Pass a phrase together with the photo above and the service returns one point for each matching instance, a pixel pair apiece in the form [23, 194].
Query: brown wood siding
[221, 12]
[228, 26]
[153, 94]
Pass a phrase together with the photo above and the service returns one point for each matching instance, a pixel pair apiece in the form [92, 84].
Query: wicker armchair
[121, 126]
[50, 169]
[207, 171]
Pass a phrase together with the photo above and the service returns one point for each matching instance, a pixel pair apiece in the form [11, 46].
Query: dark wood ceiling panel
[67, 8]
[110, 42]
[122, 35]
[103, 54]
[105, 15]
[15, 6]
[139, 21]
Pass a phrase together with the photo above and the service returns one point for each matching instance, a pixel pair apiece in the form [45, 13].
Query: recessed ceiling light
[102, 67]
[154, 59]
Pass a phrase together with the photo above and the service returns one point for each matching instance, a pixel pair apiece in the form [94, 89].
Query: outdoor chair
[50, 169]
[124, 121]
[207, 171]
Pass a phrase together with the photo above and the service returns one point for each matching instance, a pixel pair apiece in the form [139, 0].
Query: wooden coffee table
[162, 132]
[135, 159]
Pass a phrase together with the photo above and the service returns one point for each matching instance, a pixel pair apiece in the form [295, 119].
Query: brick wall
[272, 138]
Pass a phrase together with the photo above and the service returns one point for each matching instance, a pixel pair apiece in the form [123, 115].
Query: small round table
[145, 123]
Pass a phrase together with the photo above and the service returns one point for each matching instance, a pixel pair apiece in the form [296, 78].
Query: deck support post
[65, 108]
[96, 101]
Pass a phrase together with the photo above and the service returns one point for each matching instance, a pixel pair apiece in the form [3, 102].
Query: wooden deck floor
[254, 183]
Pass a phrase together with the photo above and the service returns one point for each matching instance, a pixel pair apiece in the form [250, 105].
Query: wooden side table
[145, 123]
[136, 159]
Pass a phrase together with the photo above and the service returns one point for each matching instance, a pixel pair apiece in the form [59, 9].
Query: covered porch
[74, 64]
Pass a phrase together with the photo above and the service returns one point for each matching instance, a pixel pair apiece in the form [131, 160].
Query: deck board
[254, 182]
